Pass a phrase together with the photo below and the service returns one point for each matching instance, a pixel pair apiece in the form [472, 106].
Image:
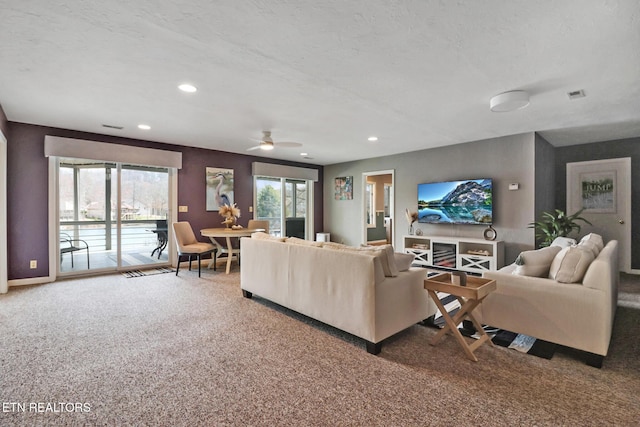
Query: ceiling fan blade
[253, 148]
[288, 144]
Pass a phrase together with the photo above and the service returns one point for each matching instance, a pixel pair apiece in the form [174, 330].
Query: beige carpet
[161, 350]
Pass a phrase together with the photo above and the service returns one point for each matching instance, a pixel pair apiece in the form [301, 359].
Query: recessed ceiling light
[144, 127]
[186, 87]
[304, 154]
[373, 138]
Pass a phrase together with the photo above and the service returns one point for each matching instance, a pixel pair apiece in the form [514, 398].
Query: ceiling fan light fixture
[266, 145]
[509, 101]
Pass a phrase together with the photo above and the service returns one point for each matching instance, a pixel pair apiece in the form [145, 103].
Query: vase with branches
[230, 213]
[556, 224]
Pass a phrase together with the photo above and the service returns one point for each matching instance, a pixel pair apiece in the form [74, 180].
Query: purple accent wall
[27, 190]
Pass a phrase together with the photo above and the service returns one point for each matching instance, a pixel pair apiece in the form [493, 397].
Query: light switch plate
[183, 208]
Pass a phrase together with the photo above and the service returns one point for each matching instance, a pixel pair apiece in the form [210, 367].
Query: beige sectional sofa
[357, 290]
[573, 303]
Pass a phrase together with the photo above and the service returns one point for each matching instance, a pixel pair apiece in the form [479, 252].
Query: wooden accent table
[470, 297]
[227, 233]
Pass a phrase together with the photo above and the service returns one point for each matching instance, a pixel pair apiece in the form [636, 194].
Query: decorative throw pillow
[594, 238]
[403, 261]
[266, 236]
[391, 259]
[333, 245]
[535, 263]
[587, 244]
[563, 242]
[570, 265]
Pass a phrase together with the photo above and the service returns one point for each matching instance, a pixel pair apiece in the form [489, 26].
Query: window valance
[119, 153]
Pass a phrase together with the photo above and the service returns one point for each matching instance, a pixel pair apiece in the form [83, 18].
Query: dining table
[228, 234]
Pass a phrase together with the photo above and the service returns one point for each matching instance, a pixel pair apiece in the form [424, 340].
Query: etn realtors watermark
[46, 407]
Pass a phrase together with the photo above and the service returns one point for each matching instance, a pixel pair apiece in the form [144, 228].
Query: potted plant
[556, 224]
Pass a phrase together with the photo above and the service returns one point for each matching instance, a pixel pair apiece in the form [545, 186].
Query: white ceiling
[325, 73]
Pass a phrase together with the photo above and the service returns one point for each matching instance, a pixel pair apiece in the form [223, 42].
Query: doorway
[111, 216]
[603, 189]
[378, 207]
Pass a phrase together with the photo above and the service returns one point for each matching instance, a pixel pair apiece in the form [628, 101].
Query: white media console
[457, 253]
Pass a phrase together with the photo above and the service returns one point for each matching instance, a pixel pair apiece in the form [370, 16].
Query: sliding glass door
[286, 204]
[112, 216]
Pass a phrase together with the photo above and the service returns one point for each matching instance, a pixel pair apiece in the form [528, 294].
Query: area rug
[519, 342]
[149, 272]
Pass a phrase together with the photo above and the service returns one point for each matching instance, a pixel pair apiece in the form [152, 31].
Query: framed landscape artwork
[219, 188]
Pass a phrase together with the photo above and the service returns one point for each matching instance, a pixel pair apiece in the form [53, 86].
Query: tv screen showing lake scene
[456, 202]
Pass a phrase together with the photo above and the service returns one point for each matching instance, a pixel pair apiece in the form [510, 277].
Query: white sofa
[579, 315]
[344, 288]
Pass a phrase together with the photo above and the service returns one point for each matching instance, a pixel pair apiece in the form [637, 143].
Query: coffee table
[469, 296]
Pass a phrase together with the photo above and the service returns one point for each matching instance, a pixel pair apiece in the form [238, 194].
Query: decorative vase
[410, 229]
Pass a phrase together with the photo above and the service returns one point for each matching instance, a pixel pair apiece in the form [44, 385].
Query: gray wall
[545, 176]
[599, 151]
[509, 159]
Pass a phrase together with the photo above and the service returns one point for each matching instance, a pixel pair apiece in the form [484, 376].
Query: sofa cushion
[563, 242]
[266, 236]
[570, 264]
[403, 261]
[380, 252]
[536, 263]
[303, 242]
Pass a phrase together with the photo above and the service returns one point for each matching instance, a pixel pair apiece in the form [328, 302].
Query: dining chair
[188, 245]
[259, 223]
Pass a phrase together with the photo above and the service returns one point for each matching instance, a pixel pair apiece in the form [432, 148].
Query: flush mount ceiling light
[144, 127]
[373, 138]
[186, 87]
[509, 101]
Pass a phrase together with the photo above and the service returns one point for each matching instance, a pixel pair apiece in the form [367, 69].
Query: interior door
[603, 189]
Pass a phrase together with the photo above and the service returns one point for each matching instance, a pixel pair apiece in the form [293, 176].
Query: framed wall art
[598, 191]
[219, 188]
[344, 188]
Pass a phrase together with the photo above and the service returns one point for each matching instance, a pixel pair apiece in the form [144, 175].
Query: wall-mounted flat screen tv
[456, 202]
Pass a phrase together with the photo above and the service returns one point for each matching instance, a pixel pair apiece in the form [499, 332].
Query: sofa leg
[373, 348]
[247, 294]
[595, 360]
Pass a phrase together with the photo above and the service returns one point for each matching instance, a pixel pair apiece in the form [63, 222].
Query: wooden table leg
[466, 307]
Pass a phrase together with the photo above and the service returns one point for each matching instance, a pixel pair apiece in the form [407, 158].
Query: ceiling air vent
[576, 94]
[113, 127]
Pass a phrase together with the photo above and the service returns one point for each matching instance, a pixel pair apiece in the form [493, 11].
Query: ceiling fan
[266, 143]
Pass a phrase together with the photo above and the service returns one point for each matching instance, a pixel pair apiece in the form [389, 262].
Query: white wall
[509, 159]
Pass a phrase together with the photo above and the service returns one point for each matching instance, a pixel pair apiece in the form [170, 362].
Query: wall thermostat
[514, 186]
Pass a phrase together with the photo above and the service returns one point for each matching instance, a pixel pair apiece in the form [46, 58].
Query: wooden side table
[469, 296]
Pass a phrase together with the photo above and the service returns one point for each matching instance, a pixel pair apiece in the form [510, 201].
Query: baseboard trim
[31, 281]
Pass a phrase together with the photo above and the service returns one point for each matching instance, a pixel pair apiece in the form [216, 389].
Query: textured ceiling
[327, 74]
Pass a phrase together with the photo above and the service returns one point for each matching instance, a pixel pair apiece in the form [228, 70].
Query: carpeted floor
[183, 351]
